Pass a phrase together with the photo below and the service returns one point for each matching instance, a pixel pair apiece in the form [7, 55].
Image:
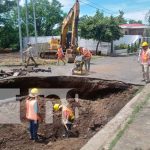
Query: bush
[121, 46]
[133, 48]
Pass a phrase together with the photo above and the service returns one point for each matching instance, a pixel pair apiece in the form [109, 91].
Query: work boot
[36, 65]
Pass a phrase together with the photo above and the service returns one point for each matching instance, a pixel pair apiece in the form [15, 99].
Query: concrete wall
[128, 39]
[104, 47]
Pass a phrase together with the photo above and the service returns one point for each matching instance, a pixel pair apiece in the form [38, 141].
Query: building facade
[134, 29]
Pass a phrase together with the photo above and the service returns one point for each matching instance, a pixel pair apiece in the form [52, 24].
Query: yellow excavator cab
[54, 43]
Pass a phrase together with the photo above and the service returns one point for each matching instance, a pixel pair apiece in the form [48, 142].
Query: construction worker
[144, 58]
[67, 117]
[32, 113]
[29, 54]
[87, 57]
[60, 55]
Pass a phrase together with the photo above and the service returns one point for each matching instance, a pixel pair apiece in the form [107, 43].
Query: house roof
[135, 26]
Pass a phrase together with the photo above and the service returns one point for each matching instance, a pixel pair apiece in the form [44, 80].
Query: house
[134, 29]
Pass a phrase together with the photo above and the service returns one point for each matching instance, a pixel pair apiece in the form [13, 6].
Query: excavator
[68, 39]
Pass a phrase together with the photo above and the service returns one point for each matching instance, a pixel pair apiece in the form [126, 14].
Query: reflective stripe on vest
[32, 109]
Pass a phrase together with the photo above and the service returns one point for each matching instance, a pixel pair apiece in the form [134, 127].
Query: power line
[102, 7]
[91, 5]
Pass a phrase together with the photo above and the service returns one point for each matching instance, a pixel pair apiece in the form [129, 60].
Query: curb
[102, 140]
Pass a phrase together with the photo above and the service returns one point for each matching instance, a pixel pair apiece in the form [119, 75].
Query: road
[125, 69]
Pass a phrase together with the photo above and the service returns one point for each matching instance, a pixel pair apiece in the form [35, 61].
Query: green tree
[120, 18]
[131, 21]
[147, 17]
[49, 16]
[8, 29]
[100, 28]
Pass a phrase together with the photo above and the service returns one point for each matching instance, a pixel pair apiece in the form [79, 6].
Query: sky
[133, 9]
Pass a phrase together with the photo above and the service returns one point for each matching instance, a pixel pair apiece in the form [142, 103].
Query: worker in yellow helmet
[67, 117]
[32, 113]
[144, 57]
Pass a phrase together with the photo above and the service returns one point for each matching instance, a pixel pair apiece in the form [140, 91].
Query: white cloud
[21, 2]
[67, 4]
[136, 15]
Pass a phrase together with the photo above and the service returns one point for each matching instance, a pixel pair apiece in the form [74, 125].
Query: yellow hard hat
[56, 107]
[144, 44]
[34, 92]
[78, 49]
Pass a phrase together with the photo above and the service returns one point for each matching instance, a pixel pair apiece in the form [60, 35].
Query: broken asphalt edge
[103, 139]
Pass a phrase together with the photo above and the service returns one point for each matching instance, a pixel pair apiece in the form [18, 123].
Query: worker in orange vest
[60, 55]
[87, 57]
[67, 117]
[32, 113]
[144, 58]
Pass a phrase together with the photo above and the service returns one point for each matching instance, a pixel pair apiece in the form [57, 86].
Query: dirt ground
[93, 115]
[13, 59]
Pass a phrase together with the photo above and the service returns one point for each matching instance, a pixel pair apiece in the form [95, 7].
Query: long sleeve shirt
[29, 51]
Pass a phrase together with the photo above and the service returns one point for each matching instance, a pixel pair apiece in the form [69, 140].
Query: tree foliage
[100, 28]
[120, 18]
[48, 16]
[8, 29]
[131, 21]
[147, 17]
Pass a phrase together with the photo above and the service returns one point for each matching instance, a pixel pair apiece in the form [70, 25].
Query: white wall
[128, 39]
[90, 44]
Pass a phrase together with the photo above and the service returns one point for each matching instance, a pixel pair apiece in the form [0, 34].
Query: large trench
[99, 101]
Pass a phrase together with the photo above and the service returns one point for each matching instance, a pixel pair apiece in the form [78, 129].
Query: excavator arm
[70, 21]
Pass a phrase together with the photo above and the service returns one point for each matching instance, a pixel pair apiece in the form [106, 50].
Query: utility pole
[27, 17]
[34, 16]
[20, 34]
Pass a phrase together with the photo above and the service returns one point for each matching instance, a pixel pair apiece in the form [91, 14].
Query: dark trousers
[69, 126]
[31, 58]
[33, 129]
[87, 64]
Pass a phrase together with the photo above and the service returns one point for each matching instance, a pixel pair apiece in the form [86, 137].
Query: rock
[50, 144]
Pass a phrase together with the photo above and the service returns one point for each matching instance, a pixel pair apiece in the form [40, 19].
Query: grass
[136, 110]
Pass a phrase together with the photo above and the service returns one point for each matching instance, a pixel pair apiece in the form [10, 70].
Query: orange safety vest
[87, 53]
[68, 113]
[32, 110]
[144, 56]
[60, 53]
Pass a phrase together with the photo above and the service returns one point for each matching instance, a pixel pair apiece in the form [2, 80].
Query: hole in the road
[98, 102]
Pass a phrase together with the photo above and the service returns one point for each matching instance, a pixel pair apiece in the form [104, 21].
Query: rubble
[22, 72]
